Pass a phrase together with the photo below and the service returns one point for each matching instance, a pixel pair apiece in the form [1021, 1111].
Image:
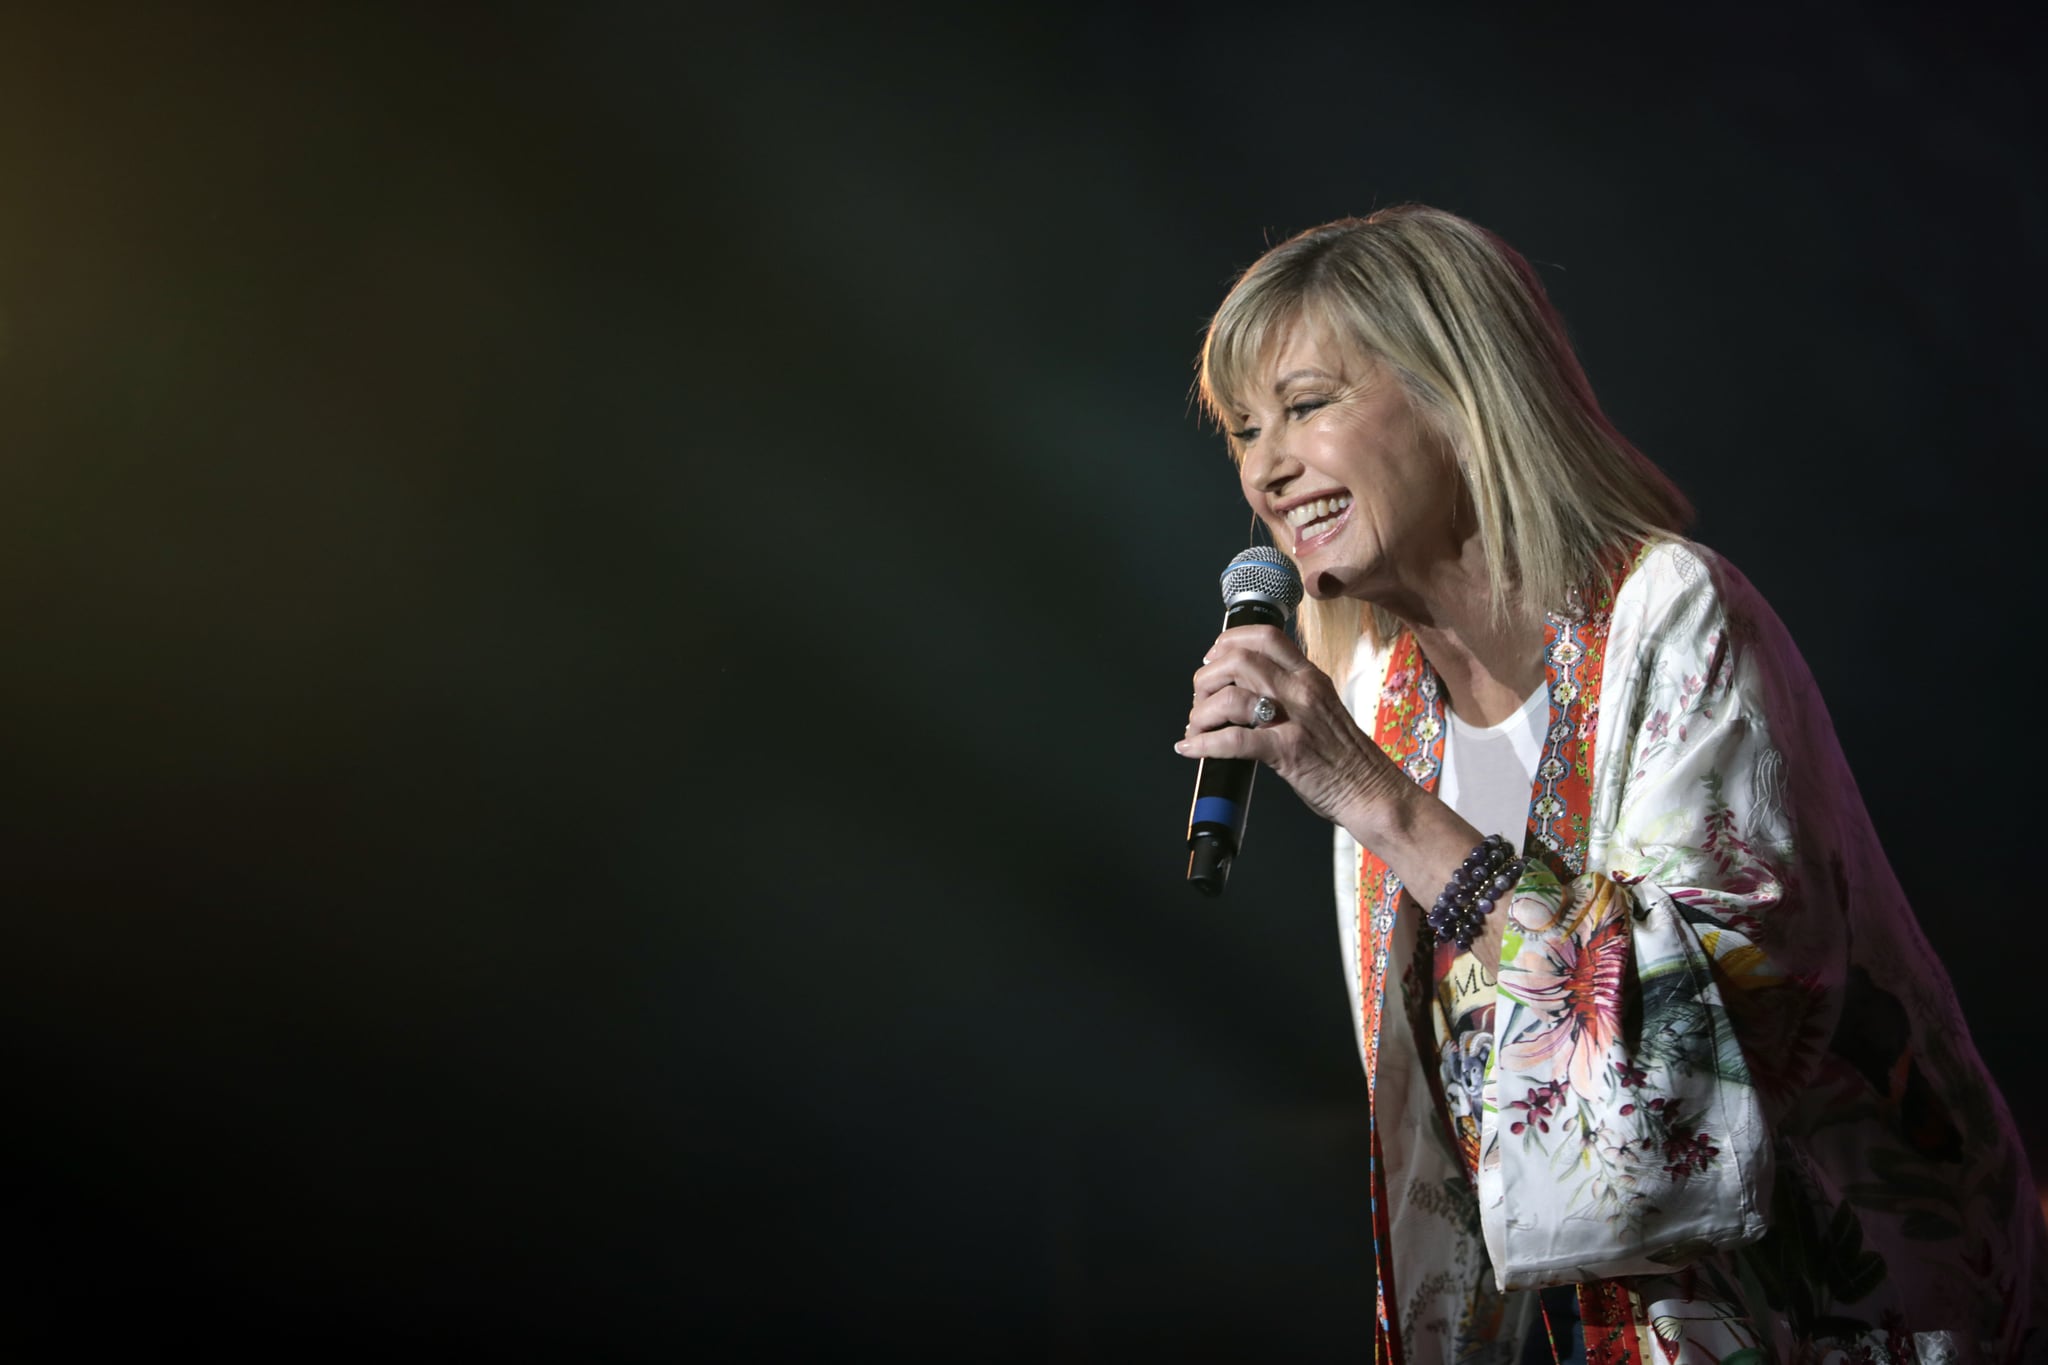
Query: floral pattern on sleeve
[1625, 1155]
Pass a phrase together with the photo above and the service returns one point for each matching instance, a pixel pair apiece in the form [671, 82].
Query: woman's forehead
[1304, 347]
[1260, 355]
[1308, 342]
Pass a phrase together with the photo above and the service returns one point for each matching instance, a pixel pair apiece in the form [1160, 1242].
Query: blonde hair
[1461, 319]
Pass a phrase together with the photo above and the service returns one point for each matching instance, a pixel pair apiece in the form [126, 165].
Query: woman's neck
[1488, 665]
[1488, 671]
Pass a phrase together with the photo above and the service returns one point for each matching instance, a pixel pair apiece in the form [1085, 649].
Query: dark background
[593, 602]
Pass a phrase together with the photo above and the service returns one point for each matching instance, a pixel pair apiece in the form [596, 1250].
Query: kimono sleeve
[1623, 1132]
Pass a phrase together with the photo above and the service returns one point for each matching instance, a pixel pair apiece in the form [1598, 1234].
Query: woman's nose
[1267, 467]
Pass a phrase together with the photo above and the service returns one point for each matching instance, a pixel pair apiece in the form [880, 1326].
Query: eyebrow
[1284, 380]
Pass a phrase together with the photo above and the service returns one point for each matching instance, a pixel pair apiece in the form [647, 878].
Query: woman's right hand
[1312, 742]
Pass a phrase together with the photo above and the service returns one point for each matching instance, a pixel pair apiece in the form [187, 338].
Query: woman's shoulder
[1673, 566]
[1675, 580]
[1694, 612]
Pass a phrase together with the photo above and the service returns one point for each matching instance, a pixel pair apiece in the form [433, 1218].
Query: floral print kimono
[1719, 1088]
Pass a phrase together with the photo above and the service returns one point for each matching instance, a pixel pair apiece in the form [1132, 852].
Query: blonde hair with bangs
[1461, 318]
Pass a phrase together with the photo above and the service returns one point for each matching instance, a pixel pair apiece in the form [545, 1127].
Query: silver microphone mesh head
[1265, 574]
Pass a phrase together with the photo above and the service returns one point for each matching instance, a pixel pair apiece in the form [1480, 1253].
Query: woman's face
[1350, 481]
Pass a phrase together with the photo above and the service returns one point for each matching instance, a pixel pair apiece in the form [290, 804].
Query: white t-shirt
[1488, 770]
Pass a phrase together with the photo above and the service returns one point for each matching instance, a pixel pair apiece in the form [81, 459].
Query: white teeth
[1310, 512]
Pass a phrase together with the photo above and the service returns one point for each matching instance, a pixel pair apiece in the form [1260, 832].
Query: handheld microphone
[1260, 588]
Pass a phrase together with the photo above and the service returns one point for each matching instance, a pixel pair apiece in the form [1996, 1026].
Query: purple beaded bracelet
[1487, 875]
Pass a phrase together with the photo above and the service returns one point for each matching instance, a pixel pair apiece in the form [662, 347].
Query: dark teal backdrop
[593, 602]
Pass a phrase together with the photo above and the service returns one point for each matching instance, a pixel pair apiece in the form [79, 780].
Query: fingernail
[1180, 746]
[1205, 658]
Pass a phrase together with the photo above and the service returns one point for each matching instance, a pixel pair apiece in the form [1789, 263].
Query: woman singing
[1660, 1066]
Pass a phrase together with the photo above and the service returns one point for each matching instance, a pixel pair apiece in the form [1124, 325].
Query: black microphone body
[1223, 786]
[1260, 588]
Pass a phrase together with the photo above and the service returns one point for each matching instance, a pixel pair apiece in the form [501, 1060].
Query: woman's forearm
[1423, 841]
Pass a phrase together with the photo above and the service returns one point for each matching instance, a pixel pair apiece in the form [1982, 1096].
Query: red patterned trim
[1409, 727]
[1611, 1315]
[1574, 658]
[1386, 1329]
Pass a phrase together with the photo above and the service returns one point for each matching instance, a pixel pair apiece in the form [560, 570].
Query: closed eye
[1306, 406]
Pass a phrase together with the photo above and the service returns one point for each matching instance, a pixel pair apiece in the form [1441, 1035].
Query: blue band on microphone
[1214, 810]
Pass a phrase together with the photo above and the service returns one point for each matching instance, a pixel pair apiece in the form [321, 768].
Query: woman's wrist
[1422, 840]
[1395, 819]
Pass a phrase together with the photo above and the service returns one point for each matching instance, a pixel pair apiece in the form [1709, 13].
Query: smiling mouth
[1313, 519]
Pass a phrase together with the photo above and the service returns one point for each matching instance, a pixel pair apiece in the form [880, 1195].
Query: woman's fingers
[1230, 741]
[1243, 668]
[1253, 665]
[1255, 676]
[1267, 643]
[1310, 740]
[1233, 706]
